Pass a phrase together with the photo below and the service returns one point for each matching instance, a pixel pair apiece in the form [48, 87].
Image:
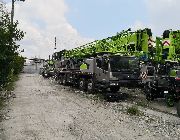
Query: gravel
[43, 110]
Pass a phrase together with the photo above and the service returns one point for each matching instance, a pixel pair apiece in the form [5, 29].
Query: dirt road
[43, 110]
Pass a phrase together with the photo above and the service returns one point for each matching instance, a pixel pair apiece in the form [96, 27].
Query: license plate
[165, 91]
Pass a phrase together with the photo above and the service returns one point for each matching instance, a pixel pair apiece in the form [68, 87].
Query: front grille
[163, 82]
[126, 76]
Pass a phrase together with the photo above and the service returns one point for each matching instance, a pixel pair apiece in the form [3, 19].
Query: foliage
[10, 61]
[142, 103]
[133, 110]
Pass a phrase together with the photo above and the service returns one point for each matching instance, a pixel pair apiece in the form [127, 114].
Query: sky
[77, 22]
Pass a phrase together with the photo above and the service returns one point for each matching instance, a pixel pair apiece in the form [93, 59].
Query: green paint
[83, 66]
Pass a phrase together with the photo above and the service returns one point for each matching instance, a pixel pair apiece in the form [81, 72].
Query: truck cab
[113, 71]
[165, 83]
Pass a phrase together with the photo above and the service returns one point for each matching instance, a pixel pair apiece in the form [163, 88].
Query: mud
[44, 110]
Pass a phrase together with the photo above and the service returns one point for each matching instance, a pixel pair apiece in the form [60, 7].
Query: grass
[1, 103]
[6, 89]
[142, 103]
[133, 110]
[10, 85]
[98, 97]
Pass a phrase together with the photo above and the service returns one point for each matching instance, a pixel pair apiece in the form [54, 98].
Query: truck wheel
[56, 77]
[64, 80]
[170, 101]
[45, 75]
[114, 89]
[90, 86]
[149, 94]
[178, 108]
[107, 97]
[60, 80]
[82, 84]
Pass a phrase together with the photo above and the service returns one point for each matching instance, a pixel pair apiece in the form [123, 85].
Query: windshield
[123, 63]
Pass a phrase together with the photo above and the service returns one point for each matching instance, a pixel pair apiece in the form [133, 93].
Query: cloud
[43, 20]
[138, 25]
[163, 14]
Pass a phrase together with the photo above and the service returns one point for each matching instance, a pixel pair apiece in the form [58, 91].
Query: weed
[10, 85]
[142, 103]
[1, 103]
[133, 110]
[97, 97]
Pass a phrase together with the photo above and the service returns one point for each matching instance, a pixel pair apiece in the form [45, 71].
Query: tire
[178, 108]
[111, 97]
[60, 80]
[64, 81]
[56, 77]
[114, 89]
[45, 75]
[107, 97]
[90, 86]
[170, 101]
[82, 84]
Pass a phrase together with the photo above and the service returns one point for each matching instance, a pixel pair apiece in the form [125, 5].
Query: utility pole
[12, 21]
[53, 56]
[55, 44]
[12, 10]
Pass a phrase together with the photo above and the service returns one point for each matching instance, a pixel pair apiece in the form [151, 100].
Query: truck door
[101, 69]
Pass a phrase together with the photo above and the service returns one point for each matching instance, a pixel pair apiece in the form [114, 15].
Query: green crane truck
[105, 64]
[165, 82]
[116, 61]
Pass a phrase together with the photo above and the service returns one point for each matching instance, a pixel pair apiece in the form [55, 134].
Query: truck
[126, 59]
[106, 64]
[48, 69]
[164, 81]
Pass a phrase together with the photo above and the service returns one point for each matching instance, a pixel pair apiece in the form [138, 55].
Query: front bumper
[126, 83]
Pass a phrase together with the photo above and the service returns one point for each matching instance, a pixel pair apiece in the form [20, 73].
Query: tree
[9, 36]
